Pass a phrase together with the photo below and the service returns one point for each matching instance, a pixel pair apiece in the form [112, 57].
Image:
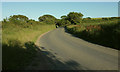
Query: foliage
[63, 22]
[71, 18]
[18, 18]
[88, 18]
[98, 21]
[74, 17]
[18, 42]
[63, 17]
[16, 56]
[49, 19]
[106, 33]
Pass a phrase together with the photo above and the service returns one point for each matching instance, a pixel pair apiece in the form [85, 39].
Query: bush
[103, 34]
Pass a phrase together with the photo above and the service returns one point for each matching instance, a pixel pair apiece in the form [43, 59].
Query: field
[98, 31]
[18, 43]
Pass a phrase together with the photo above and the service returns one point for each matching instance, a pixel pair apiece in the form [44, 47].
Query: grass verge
[105, 33]
[18, 44]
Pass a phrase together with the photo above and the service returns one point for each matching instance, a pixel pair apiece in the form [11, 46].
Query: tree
[63, 22]
[5, 20]
[49, 19]
[64, 17]
[88, 18]
[18, 18]
[74, 17]
[105, 18]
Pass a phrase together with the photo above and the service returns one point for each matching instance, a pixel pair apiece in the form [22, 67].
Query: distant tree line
[19, 20]
[71, 18]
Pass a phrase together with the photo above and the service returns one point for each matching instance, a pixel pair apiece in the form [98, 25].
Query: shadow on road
[16, 56]
[28, 56]
[45, 60]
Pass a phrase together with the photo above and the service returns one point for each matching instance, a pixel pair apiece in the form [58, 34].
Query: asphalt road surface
[71, 53]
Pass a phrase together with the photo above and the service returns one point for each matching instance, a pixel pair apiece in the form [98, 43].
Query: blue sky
[33, 10]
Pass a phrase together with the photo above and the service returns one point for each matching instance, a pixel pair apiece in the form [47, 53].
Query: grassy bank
[18, 43]
[106, 33]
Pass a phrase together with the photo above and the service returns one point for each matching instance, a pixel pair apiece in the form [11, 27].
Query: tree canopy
[74, 17]
[63, 17]
[18, 18]
[71, 18]
[49, 19]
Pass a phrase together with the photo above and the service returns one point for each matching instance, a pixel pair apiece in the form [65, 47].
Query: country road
[69, 52]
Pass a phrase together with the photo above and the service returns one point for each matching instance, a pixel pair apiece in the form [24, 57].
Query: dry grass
[18, 44]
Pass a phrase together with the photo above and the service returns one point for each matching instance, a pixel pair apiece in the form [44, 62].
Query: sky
[34, 10]
[60, 0]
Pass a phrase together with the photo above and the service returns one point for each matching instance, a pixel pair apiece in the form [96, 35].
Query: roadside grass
[24, 34]
[106, 33]
[99, 22]
[18, 44]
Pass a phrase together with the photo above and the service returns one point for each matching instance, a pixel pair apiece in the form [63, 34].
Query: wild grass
[106, 33]
[98, 21]
[18, 43]
[24, 34]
